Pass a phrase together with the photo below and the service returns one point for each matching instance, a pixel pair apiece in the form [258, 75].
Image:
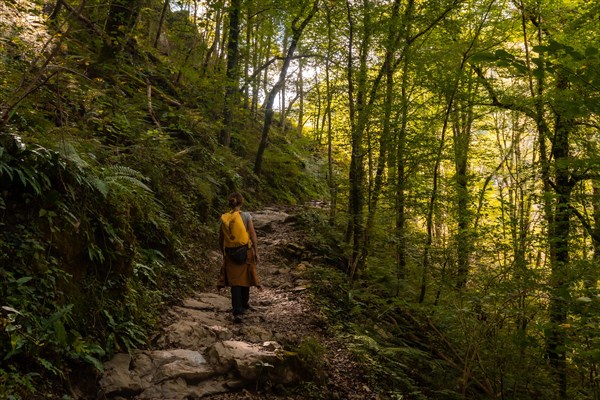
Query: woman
[238, 243]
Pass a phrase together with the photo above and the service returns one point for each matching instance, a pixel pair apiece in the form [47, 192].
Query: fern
[125, 178]
[67, 151]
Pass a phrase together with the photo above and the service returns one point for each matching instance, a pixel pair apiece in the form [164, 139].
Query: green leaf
[94, 361]
[584, 299]
[60, 333]
[503, 54]
[24, 280]
[484, 56]
[50, 367]
[10, 309]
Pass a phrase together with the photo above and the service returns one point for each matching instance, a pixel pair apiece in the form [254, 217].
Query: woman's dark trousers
[240, 295]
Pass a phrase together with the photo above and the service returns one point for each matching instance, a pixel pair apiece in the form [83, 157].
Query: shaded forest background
[456, 142]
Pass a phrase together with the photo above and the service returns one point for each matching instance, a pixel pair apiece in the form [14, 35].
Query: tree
[232, 74]
[120, 20]
[298, 27]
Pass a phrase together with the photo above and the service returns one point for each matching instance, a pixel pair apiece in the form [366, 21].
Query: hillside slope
[111, 178]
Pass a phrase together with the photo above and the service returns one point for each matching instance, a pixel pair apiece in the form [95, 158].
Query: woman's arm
[252, 233]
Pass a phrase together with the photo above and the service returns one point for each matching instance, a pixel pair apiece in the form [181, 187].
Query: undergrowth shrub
[77, 281]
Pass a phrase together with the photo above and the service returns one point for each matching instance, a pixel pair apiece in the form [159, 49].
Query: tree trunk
[386, 132]
[462, 138]
[232, 74]
[300, 91]
[215, 44]
[121, 18]
[249, 31]
[56, 10]
[160, 22]
[296, 34]
[559, 246]
[401, 179]
[327, 114]
[596, 207]
[358, 117]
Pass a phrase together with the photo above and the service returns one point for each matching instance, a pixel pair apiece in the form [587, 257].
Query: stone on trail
[207, 318]
[162, 374]
[252, 361]
[118, 379]
[192, 334]
[264, 220]
[208, 301]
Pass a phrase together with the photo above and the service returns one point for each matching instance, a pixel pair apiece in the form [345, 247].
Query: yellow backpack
[234, 230]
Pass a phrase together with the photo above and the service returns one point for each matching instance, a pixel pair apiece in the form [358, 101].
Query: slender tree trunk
[434, 190]
[329, 96]
[300, 89]
[590, 283]
[384, 141]
[296, 35]
[462, 138]
[214, 48]
[559, 246]
[318, 129]
[160, 22]
[56, 10]
[359, 121]
[401, 178]
[431, 207]
[283, 92]
[256, 83]
[231, 84]
[249, 31]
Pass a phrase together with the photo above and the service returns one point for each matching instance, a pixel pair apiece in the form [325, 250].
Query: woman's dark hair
[235, 200]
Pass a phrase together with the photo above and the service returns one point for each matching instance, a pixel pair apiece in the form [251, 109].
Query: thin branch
[494, 96]
[586, 224]
[433, 23]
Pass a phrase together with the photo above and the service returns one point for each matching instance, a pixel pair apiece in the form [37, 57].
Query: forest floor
[283, 346]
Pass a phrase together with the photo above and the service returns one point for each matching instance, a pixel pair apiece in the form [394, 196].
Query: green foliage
[311, 353]
[110, 178]
[322, 239]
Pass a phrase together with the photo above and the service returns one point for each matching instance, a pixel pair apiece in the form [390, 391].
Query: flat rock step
[200, 359]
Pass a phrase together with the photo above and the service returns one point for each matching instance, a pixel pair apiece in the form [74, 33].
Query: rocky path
[202, 353]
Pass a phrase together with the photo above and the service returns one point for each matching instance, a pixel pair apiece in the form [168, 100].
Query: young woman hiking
[238, 243]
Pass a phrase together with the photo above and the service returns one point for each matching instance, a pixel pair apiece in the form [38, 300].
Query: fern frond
[67, 151]
[126, 178]
[123, 170]
[98, 184]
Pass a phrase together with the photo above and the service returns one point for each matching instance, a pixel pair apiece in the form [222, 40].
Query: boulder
[189, 334]
[252, 361]
[118, 378]
[187, 364]
[160, 374]
[209, 301]
[263, 220]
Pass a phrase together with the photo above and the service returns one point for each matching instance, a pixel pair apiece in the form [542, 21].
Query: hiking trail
[201, 353]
